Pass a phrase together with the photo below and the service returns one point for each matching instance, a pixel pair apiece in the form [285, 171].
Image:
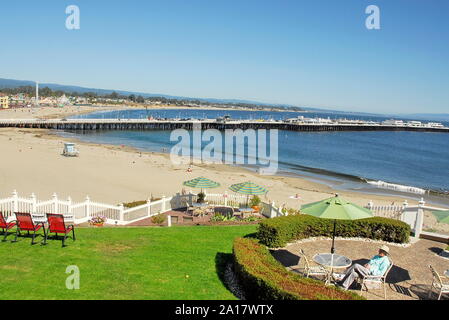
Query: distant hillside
[10, 83]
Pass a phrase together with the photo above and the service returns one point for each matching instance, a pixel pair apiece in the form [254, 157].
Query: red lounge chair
[57, 225]
[25, 223]
[5, 226]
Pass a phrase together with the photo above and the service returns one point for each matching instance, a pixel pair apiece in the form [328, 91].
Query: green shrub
[264, 278]
[277, 232]
[158, 219]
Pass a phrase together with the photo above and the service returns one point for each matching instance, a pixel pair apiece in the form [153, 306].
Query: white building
[414, 124]
[393, 122]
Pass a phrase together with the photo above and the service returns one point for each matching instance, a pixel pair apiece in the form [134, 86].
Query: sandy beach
[32, 162]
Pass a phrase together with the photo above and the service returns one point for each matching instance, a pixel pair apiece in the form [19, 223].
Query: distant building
[435, 125]
[63, 101]
[392, 122]
[4, 101]
[414, 124]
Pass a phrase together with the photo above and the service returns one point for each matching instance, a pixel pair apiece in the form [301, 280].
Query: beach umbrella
[201, 183]
[336, 208]
[249, 188]
[442, 216]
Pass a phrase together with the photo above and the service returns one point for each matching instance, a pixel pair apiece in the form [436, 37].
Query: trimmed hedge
[277, 232]
[264, 278]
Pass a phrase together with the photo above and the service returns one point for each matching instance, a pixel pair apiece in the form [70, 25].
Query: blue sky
[308, 53]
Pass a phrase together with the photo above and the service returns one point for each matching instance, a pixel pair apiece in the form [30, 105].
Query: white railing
[81, 212]
[387, 211]
[412, 215]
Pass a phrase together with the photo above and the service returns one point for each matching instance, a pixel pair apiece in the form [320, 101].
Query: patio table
[199, 205]
[332, 261]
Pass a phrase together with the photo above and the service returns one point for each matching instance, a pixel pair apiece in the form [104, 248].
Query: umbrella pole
[333, 238]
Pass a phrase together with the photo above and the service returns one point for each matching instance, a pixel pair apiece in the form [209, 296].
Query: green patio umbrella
[249, 188]
[336, 208]
[442, 216]
[201, 183]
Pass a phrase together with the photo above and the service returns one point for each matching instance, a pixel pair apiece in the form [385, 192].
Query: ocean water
[408, 158]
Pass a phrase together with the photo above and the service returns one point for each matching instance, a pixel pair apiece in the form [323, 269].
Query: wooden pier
[143, 124]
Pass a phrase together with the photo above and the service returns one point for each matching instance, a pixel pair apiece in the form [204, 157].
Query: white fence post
[272, 212]
[149, 207]
[225, 198]
[404, 207]
[33, 203]
[419, 218]
[15, 199]
[122, 213]
[69, 206]
[169, 221]
[55, 202]
[87, 202]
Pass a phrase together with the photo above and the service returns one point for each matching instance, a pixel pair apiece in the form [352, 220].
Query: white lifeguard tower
[70, 150]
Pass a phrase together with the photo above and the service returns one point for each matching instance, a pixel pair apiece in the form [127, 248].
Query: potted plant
[254, 203]
[97, 221]
[201, 197]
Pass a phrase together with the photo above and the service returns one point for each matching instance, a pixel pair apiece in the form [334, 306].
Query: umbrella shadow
[285, 257]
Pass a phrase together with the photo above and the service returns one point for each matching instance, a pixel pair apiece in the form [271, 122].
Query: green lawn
[122, 263]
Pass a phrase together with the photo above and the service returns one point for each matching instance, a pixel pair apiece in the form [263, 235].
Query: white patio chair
[375, 281]
[311, 270]
[440, 283]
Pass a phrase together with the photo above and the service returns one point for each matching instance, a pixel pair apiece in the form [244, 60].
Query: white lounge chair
[440, 283]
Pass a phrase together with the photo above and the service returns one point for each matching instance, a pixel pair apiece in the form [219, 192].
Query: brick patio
[409, 279]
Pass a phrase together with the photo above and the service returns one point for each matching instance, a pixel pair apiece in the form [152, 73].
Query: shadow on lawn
[225, 270]
[222, 260]
[27, 236]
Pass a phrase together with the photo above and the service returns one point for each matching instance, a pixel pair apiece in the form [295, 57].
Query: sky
[315, 53]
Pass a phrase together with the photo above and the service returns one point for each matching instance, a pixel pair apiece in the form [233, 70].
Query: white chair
[309, 270]
[440, 283]
[375, 281]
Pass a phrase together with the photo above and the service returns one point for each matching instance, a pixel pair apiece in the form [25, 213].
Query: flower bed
[277, 232]
[264, 278]
[98, 221]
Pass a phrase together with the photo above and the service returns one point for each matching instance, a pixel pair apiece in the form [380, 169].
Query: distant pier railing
[144, 124]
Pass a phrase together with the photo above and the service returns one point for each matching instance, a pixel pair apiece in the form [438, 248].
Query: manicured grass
[122, 263]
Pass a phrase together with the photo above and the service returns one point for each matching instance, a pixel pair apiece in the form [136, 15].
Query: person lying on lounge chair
[377, 266]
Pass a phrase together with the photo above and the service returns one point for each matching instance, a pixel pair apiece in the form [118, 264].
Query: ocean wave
[397, 187]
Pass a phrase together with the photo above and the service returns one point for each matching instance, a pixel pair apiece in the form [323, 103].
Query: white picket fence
[80, 212]
[387, 211]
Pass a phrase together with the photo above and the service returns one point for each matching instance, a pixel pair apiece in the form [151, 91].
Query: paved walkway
[410, 277]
